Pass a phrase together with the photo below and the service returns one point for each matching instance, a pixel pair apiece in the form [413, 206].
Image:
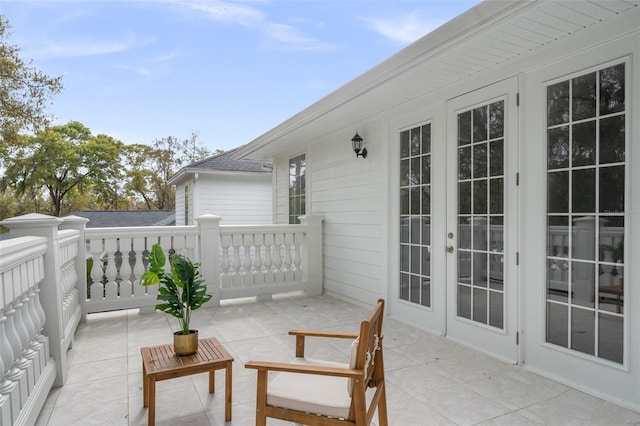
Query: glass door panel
[415, 215]
[481, 214]
[586, 213]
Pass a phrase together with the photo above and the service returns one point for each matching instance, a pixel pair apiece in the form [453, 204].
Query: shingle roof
[111, 218]
[224, 162]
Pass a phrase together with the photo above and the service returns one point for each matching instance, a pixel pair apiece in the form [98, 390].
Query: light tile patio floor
[430, 380]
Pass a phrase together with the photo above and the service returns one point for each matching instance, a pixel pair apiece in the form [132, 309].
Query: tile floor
[430, 380]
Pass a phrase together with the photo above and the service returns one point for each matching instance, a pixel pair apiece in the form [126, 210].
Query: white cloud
[225, 11]
[278, 35]
[292, 38]
[78, 48]
[145, 72]
[405, 28]
[168, 57]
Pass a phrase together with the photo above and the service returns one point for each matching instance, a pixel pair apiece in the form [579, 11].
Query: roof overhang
[185, 172]
[489, 35]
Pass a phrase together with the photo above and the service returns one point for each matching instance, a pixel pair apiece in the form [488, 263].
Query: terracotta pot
[185, 344]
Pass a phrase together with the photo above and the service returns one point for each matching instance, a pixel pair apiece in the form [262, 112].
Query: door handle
[448, 249]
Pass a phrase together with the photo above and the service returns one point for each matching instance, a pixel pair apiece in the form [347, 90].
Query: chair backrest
[369, 356]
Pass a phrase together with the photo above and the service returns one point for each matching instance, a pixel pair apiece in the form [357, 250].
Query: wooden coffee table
[161, 363]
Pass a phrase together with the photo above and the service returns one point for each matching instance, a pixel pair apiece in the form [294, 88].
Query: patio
[430, 380]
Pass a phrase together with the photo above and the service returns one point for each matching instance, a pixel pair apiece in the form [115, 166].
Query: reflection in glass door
[415, 215]
[480, 289]
[586, 213]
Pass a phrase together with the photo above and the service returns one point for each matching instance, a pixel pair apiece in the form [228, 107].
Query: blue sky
[229, 70]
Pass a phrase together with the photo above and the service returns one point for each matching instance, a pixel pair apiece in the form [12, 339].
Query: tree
[63, 161]
[138, 159]
[149, 168]
[24, 92]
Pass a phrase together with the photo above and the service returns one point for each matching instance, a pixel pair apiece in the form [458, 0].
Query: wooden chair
[314, 392]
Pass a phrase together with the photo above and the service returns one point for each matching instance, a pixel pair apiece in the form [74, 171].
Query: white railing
[258, 261]
[46, 289]
[236, 261]
[582, 237]
[40, 310]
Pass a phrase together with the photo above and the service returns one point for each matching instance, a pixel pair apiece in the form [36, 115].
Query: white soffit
[484, 37]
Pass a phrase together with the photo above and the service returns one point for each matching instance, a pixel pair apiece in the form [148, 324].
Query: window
[415, 215]
[297, 188]
[186, 205]
[585, 267]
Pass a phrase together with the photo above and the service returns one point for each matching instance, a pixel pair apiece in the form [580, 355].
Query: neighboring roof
[489, 35]
[223, 163]
[118, 218]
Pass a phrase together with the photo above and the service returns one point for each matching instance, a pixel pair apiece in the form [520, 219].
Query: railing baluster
[96, 290]
[278, 275]
[15, 374]
[236, 279]
[258, 272]
[225, 279]
[9, 391]
[268, 263]
[111, 272]
[126, 286]
[247, 276]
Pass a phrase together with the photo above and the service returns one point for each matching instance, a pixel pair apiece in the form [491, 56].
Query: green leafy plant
[617, 251]
[182, 290]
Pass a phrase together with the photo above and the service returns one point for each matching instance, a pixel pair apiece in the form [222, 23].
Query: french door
[580, 243]
[481, 217]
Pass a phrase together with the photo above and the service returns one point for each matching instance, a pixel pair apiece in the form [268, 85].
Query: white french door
[481, 218]
[580, 215]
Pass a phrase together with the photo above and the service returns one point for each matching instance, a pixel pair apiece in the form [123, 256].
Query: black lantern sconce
[356, 143]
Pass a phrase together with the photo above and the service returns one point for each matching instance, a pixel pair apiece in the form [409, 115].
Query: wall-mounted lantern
[356, 143]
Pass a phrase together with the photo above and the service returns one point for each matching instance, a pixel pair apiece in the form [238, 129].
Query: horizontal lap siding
[281, 170]
[180, 204]
[238, 199]
[350, 194]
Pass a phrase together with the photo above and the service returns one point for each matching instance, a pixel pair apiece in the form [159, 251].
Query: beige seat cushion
[326, 395]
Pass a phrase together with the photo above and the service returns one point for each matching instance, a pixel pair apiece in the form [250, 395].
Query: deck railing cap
[31, 220]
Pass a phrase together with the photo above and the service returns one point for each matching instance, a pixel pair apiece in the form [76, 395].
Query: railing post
[79, 224]
[209, 253]
[312, 257]
[35, 224]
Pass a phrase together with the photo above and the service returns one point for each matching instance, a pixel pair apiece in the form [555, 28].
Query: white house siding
[358, 200]
[346, 191]
[239, 198]
[180, 202]
[281, 188]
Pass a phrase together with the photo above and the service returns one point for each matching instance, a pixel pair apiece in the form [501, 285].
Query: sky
[141, 70]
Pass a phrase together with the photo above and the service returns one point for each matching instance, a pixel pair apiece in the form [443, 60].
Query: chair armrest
[301, 334]
[316, 333]
[305, 369]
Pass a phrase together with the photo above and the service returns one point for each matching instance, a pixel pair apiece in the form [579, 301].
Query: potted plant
[182, 290]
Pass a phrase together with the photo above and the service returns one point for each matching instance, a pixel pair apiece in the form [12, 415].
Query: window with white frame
[297, 188]
[186, 204]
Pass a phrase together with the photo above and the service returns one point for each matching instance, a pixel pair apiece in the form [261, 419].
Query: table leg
[227, 385]
[152, 401]
[212, 381]
[145, 388]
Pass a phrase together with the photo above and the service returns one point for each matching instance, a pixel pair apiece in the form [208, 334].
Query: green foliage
[617, 251]
[181, 291]
[62, 162]
[57, 170]
[149, 168]
[24, 92]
